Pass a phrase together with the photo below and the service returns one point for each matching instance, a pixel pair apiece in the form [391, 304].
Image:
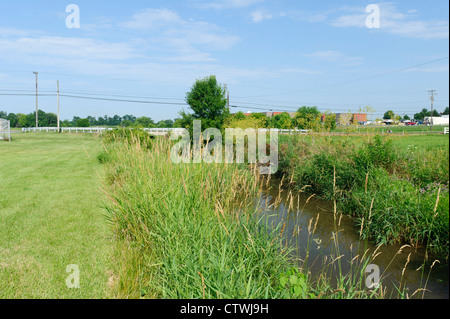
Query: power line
[265, 107]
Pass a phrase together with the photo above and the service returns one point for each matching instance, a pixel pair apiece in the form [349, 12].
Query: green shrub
[392, 192]
[128, 135]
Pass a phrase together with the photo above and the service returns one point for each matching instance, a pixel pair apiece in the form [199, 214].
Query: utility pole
[432, 94]
[228, 97]
[36, 73]
[57, 94]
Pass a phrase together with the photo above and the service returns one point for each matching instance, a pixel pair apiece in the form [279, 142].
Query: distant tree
[115, 120]
[22, 120]
[308, 111]
[75, 120]
[129, 118]
[207, 100]
[165, 124]
[240, 116]
[389, 115]
[264, 120]
[145, 122]
[102, 121]
[13, 119]
[424, 113]
[445, 112]
[66, 123]
[330, 121]
[82, 123]
[49, 120]
[3, 114]
[406, 117]
[127, 123]
[308, 117]
[31, 120]
[282, 121]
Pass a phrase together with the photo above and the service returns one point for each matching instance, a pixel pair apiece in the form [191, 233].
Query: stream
[298, 211]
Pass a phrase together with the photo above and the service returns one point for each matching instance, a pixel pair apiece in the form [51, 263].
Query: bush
[129, 135]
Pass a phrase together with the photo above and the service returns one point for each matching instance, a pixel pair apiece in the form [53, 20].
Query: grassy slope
[51, 216]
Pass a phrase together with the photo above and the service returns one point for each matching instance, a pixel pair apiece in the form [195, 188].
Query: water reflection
[299, 212]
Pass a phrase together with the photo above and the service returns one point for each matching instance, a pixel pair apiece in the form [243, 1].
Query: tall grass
[397, 195]
[189, 235]
[194, 231]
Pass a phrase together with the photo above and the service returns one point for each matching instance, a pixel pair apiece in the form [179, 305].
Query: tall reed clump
[183, 232]
[397, 196]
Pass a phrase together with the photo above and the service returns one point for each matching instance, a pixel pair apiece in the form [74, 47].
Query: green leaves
[207, 100]
[294, 284]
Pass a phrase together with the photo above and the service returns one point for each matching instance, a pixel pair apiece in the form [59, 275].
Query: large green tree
[308, 117]
[207, 100]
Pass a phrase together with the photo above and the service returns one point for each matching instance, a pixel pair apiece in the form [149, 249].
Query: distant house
[349, 118]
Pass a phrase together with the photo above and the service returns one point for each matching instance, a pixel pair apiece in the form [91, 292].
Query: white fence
[155, 131]
[158, 131]
[445, 130]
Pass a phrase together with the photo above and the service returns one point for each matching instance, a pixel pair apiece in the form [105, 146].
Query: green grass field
[415, 129]
[51, 216]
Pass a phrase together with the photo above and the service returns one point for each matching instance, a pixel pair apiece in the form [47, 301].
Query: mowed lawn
[51, 216]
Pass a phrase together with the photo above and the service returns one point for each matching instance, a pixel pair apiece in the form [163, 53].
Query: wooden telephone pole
[432, 94]
[36, 73]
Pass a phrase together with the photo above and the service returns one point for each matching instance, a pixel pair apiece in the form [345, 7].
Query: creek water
[298, 211]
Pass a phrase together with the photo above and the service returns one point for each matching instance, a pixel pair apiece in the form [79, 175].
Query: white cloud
[226, 4]
[182, 36]
[258, 16]
[153, 19]
[67, 48]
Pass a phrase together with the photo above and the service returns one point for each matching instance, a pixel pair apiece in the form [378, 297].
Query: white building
[442, 120]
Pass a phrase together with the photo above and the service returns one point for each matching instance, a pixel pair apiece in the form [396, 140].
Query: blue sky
[272, 54]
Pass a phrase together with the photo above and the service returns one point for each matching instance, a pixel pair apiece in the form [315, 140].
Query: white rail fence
[162, 131]
[155, 131]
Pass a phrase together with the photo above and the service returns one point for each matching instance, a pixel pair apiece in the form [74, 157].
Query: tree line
[50, 120]
[420, 116]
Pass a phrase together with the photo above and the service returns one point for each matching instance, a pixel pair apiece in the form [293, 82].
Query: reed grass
[389, 185]
[195, 231]
[189, 236]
